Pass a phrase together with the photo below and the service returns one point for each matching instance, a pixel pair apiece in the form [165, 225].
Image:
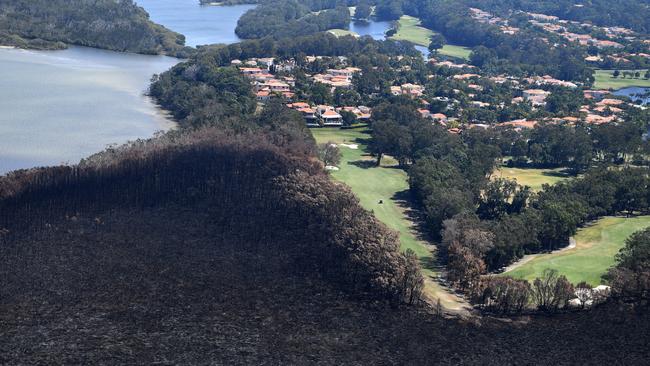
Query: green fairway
[387, 183]
[596, 246]
[409, 30]
[606, 80]
[534, 178]
[371, 183]
[455, 51]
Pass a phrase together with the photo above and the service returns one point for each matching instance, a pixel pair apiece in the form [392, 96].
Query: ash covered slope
[215, 249]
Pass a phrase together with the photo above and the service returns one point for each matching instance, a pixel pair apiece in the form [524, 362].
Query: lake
[201, 24]
[61, 106]
[375, 29]
[635, 94]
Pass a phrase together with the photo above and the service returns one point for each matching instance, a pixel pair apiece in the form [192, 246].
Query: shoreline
[149, 116]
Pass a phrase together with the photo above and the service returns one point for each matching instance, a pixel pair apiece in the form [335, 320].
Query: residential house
[412, 90]
[309, 114]
[330, 117]
[440, 118]
[250, 71]
[598, 120]
[536, 97]
[263, 96]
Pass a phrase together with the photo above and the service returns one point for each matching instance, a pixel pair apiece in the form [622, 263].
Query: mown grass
[455, 51]
[595, 251]
[606, 80]
[534, 178]
[410, 30]
[389, 184]
[372, 184]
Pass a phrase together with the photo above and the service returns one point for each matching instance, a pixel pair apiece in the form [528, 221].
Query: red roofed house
[331, 118]
[611, 102]
[439, 117]
[263, 95]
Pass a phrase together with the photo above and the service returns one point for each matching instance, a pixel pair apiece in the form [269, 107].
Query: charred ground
[206, 250]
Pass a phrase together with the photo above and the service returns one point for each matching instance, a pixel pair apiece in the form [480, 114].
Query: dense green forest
[523, 53]
[494, 51]
[633, 14]
[114, 25]
[286, 18]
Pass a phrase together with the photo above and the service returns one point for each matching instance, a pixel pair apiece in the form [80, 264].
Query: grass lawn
[387, 183]
[534, 178]
[605, 80]
[409, 29]
[455, 51]
[342, 32]
[372, 184]
[596, 246]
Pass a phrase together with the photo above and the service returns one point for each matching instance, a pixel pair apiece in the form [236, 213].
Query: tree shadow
[405, 201]
[365, 141]
[364, 164]
[432, 263]
[564, 173]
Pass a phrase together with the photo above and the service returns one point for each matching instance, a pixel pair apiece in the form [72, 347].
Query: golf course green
[594, 253]
[410, 30]
[534, 178]
[605, 80]
[381, 189]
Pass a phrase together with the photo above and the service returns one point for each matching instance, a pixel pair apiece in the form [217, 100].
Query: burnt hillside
[176, 290]
[216, 249]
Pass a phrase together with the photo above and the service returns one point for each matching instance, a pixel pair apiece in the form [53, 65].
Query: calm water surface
[201, 25]
[635, 93]
[61, 106]
[374, 29]
[377, 30]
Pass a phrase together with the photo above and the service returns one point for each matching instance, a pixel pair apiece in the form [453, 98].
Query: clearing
[595, 251]
[534, 178]
[410, 30]
[389, 184]
[606, 80]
